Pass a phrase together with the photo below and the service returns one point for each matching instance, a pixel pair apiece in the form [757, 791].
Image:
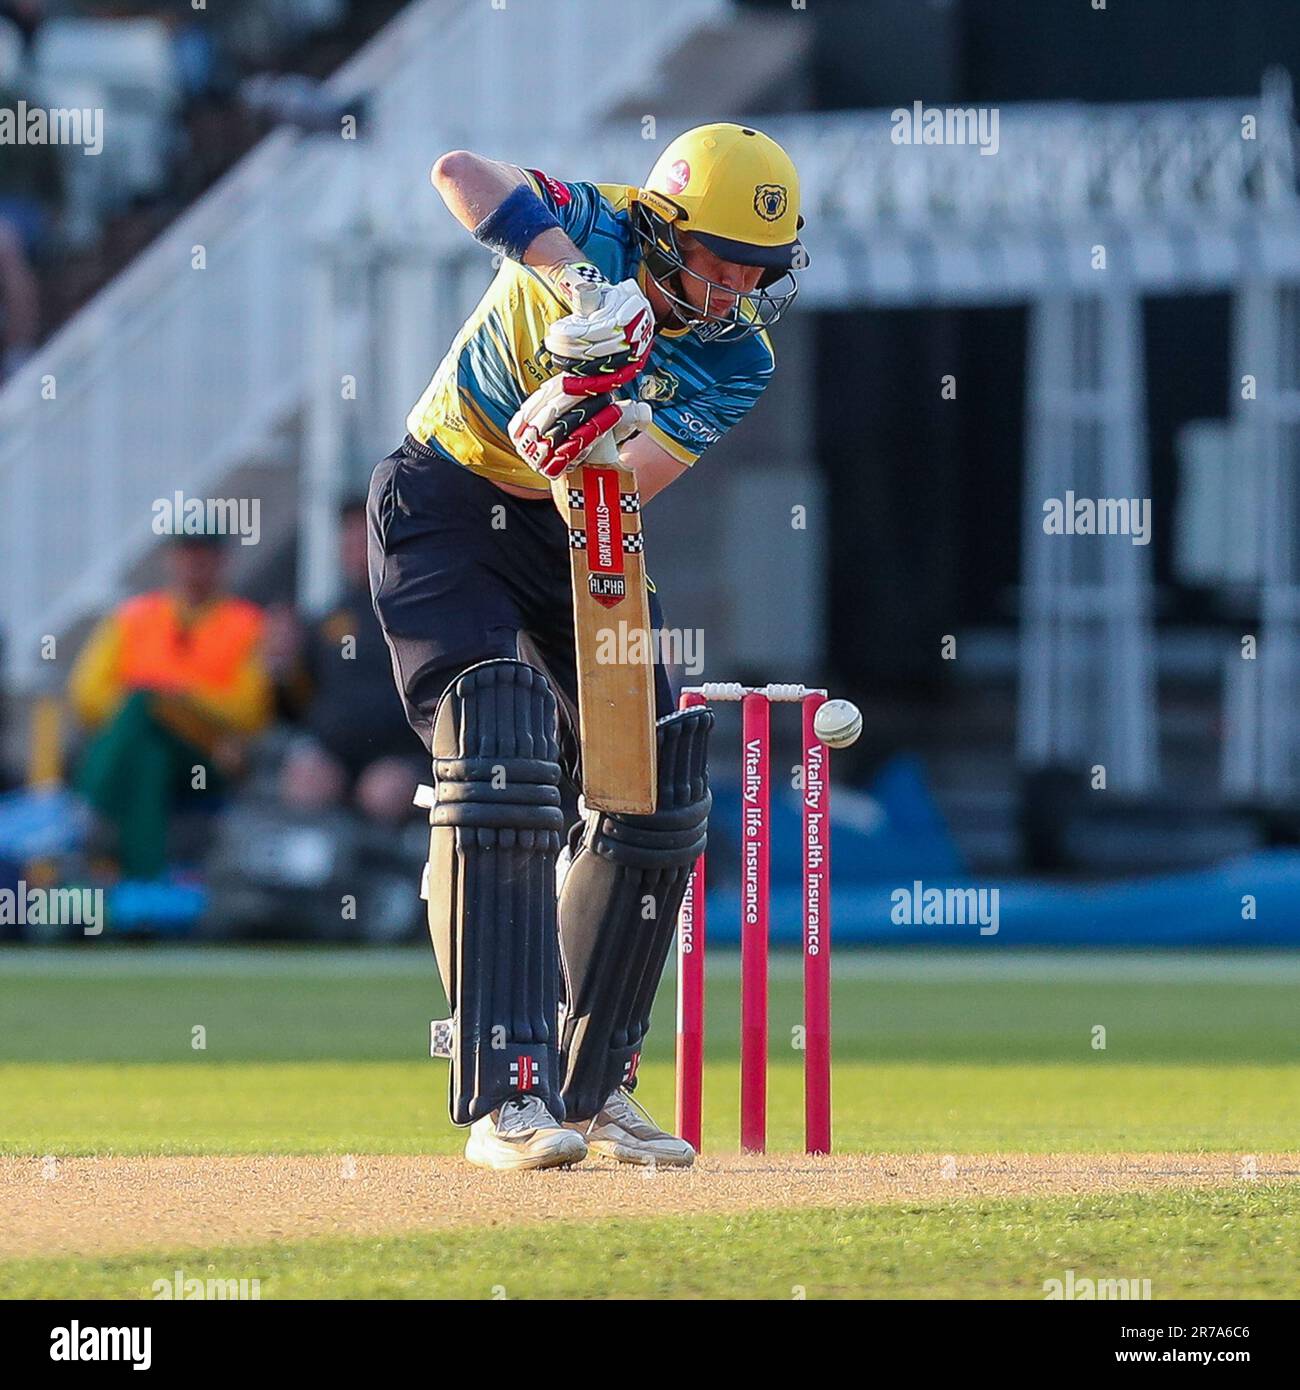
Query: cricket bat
[611, 628]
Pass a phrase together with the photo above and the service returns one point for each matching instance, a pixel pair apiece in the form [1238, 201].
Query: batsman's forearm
[473, 187]
[552, 250]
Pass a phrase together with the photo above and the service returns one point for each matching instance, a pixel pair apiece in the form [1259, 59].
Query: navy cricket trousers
[462, 572]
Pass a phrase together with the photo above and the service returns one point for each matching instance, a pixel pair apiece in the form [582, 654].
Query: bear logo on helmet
[770, 201]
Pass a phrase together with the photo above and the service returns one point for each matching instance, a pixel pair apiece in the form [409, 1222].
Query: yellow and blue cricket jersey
[697, 389]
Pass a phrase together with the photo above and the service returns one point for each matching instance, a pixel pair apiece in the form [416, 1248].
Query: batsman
[632, 314]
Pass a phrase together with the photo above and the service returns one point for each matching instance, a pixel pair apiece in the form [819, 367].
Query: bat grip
[588, 297]
[605, 451]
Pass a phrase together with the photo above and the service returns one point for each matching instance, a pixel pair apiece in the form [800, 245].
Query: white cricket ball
[837, 723]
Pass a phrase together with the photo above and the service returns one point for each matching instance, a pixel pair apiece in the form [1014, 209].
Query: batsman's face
[711, 284]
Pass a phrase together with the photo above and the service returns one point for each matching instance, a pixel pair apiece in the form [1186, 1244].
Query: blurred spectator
[292, 99]
[171, 680]
[168, 92]
[25, 16]
[19, 303]
[31, 179]
[336, 681]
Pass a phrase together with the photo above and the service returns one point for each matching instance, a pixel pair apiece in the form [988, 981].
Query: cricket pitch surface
[99, 1206]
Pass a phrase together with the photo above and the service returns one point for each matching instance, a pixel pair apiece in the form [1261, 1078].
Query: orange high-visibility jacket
[209, 656]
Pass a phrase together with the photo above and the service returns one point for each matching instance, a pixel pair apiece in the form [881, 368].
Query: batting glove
[556, 428]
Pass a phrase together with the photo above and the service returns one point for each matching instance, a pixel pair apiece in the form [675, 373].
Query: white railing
[174, 375]
[1053, 164]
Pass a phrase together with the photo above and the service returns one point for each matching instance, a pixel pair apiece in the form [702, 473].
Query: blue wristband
[514, 225]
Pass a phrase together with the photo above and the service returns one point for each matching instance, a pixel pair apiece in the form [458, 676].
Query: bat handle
[588, 297]
[604, 452]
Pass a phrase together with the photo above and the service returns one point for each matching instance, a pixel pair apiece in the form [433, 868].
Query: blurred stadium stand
[329, 258]
[127, 69]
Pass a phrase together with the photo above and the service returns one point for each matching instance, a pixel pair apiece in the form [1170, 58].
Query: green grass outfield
[1215, 1245]
[323, 1051]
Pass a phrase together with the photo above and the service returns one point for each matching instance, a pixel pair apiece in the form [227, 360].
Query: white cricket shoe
[523, 1134]
[624, 1131]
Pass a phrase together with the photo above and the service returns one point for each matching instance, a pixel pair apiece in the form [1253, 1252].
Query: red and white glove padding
[608, 337]
[556, 427]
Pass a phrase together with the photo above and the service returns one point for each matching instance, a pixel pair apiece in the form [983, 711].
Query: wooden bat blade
[612, 638]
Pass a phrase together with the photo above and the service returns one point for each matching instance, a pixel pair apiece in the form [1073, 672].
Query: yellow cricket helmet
[736, 191]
